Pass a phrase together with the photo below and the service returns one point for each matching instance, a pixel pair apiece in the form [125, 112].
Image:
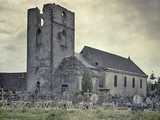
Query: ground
[96, 114]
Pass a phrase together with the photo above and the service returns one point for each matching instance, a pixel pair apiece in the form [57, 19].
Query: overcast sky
[123, 27]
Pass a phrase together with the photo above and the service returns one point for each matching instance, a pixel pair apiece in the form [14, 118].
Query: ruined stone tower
[50, 38]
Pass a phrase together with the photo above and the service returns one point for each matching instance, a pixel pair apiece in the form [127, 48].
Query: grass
[96, 114]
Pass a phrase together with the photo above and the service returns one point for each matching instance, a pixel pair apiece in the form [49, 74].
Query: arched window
[38, 31]
[64, 87]
[125, 81]
[38, 38]
[140, 83]
[37, 87]
[42, 22]
[115, 81]
[62, 38]
[38, 84]
[133, 83]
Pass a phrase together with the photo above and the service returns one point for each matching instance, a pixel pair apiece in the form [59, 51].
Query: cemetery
[86, 106]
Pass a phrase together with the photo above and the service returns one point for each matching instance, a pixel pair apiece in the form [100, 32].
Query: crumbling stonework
[50, 38]
[69, 75]
[13, 81]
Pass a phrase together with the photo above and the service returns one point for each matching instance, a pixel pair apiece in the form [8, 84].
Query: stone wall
[128, 90]
[50, 38]
[13, 81]
[70, 72]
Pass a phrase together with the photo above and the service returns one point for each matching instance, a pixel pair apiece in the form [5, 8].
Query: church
[53, 65]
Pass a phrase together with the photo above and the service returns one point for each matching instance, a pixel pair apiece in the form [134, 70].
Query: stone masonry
[50, 38]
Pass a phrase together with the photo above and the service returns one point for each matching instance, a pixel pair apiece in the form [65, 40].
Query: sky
[122, 27]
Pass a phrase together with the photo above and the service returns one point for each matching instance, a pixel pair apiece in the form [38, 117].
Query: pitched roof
[107, 60]
[84, 62]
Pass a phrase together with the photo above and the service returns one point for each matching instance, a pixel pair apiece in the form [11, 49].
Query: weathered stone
[50, 38]
[13, 81]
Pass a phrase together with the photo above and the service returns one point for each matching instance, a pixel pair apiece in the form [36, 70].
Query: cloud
[147, 15]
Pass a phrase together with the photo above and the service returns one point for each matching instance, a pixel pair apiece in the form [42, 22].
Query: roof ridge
[106, 52]
[110, 60]
[138, 67]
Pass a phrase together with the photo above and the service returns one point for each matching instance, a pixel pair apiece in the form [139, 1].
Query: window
[140, 83]
[133, 83]
[125, 81]
[38, 31]
[63, 14]
[62, 38]
[42, 22]
[64, 33]
[38, 36]
[101, 83]
[37, 87]
[64, 88]
[38, 84]
[115, 81]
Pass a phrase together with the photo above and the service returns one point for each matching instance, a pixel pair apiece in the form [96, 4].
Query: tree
[87, 82]
[152, 76]
[154, 85]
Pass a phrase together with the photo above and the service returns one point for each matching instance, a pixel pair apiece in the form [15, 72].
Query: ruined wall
[50, 38]
[38, 56]
[13, 81]
[70, 73]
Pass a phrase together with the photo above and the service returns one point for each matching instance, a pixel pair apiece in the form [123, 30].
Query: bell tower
[62, 34]
[50, 38]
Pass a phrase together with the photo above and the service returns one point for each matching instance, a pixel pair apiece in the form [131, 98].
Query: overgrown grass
[96, 114]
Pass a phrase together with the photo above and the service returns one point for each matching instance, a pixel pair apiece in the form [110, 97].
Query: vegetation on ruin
[86, 82]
